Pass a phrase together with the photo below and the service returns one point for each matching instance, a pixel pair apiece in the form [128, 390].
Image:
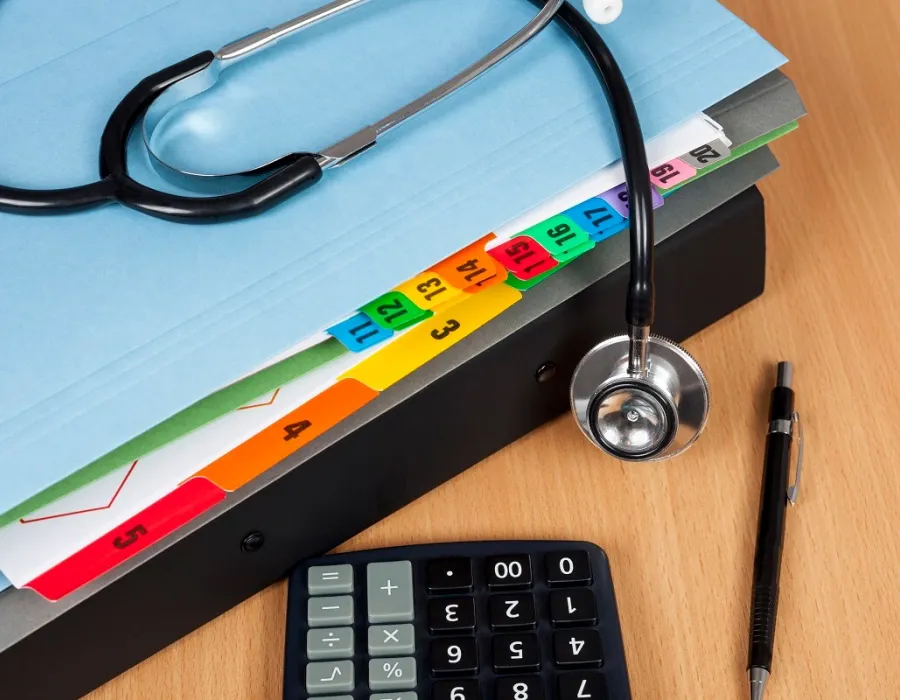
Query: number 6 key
[455, 655]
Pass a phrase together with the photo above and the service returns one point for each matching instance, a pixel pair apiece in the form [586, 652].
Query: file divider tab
[469, 267]
[673, 173]
[394, 311]
[524, 257]
[429, 290]
[431, 337]
[562, 237]
[284, 437]
[596, 216]
[177, 508]
[704, 156]
[359, 333]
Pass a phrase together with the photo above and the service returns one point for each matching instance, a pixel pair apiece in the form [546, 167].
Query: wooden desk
[680, 536]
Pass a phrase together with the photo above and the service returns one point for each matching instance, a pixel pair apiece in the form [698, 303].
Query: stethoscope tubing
[299, 171]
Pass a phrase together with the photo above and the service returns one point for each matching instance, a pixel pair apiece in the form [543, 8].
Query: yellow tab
[431, 337]
[429, 290]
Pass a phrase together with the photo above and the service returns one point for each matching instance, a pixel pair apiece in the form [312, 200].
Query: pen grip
[762, 625]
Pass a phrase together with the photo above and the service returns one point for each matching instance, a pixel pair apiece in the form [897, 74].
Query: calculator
[506, 620]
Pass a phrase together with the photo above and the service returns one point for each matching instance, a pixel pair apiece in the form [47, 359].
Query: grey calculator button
[390, 673]
[329, 643]
[405, 695]
[324, 580]
[326, 677]
[389, 591]
[391, 640]
[330, 612]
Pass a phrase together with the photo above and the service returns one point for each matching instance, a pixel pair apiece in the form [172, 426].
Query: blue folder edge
[119, 320]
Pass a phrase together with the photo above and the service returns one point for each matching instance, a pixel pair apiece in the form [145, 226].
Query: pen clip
[795, 487]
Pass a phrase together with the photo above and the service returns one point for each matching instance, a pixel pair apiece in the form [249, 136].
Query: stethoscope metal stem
[268, 36]
[637, 350]
[356, 143]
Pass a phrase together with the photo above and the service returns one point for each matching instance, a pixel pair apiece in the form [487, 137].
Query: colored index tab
[471, 268]
[525, 285]
[524, 257]
[561, 236]
[431, 337]
[597, 217]
[704, 156]
[287, 435]
[394, 311]
[673, 173]
[359, 333]
[147, 527]
[617, 197]
[429, 290]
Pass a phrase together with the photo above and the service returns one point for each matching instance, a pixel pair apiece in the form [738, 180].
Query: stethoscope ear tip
[603, 11]
[638, 418]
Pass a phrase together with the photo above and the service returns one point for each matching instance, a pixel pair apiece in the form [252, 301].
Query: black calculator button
[463, 689]
[519, 688]
[454, 614]
[512, 611]
[516, 652]
[509, 571]
[568, 568]
[575, 607]
[454, 655]
[577, 648]
[448, 575]
[582, 686]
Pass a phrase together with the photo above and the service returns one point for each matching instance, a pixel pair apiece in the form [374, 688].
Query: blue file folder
[112, 321]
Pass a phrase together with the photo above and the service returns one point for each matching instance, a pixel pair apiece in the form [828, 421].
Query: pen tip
[785, 374]
[758, 678]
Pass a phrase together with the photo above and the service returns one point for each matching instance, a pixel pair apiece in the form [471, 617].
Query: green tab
[561, 236]
[394, 311]
[194, 416]
[516, 283]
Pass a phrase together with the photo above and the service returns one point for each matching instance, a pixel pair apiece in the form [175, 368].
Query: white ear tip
[603, 11]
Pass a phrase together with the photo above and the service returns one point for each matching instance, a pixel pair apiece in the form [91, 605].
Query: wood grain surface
[680, 536]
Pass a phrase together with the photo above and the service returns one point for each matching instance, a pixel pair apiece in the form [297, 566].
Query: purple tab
[617, 198]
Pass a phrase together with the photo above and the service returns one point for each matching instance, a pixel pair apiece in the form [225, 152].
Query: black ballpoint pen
[775, 497]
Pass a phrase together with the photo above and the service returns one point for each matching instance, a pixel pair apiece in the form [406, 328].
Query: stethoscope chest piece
[637, 417]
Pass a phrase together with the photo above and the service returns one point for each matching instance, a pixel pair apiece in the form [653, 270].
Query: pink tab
[667, 175]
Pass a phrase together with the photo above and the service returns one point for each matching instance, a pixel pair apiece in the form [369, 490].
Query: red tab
[152, 524]
[524, 257]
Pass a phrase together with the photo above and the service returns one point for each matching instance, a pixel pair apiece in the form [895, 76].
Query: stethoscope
[636, 396]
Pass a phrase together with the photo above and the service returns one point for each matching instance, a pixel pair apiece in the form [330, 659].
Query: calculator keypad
[453, 574]
[452, 614]
[568, 568]
[513, 624]
[512, 611]
[509, 571]
[575, 607]
[516, 653]
[454, 655]
[519, 688]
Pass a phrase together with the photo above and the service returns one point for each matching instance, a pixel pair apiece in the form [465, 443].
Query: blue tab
[359, 333]
[598, 218]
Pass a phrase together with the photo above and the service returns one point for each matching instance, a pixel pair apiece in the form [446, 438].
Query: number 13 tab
[429, 290]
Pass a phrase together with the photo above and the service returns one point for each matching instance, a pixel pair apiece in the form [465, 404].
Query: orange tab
[265, 449]
[471, 268]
